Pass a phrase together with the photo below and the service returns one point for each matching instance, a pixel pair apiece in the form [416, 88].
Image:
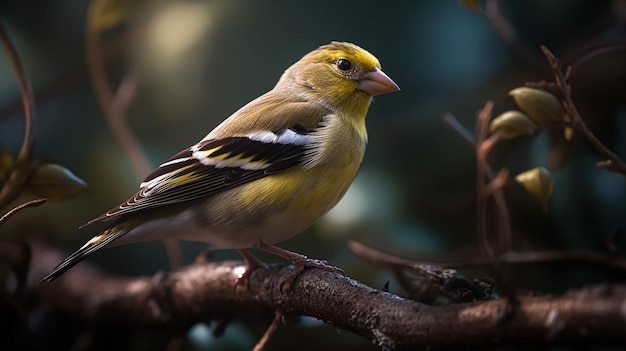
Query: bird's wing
[210, 167]
[215, 165]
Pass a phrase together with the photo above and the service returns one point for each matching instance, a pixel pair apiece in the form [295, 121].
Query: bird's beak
[377, 82]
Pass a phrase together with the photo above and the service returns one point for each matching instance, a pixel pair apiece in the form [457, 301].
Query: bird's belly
[273, 229]
[230, 231]
[242, 219]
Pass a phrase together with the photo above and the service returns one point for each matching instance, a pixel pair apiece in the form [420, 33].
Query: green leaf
[55, 183]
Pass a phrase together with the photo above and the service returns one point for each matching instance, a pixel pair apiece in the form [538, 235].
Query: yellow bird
[267, 172]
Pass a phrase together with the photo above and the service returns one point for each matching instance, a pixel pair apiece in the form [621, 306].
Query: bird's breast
[281, 205]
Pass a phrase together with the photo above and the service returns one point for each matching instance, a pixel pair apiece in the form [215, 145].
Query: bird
[266, 173]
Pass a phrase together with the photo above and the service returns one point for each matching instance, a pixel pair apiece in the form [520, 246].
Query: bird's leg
[253, 264]
[300, 263]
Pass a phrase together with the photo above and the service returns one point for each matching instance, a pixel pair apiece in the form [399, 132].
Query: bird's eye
[344, 64]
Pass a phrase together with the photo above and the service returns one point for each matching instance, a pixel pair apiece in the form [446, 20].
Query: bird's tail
[96, 243]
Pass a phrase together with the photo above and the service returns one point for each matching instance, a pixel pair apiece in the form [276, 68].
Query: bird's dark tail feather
[90, 247]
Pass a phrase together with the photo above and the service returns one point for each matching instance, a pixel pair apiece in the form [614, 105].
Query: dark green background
[415, 192]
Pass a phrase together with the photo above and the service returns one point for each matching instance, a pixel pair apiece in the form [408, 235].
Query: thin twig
[114, 50]
[500, 202]
[277, 322]
[580, 61]
[504, 228]
[114, 107]
[460, 129]
[26, 91]
[513, 258]
[508, 33]
[482, 130]
[484, 144]
[16, 209]
[21, 170]
[499, 181]
[613, 162]
[124, 95]
[113, 110]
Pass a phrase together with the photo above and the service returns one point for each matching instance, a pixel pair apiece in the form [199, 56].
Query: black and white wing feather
[212, 166]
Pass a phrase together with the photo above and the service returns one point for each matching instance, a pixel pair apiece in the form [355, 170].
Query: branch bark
[206, 291]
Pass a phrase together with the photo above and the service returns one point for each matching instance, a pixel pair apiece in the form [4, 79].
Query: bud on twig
[541, 106]
[538, 182]
[512, 124]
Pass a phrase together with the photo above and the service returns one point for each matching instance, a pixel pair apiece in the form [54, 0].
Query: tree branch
[206, 291]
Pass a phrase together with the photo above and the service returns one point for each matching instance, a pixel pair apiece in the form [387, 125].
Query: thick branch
[206, 291]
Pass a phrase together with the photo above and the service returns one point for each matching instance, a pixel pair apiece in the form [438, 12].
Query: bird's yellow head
[339, 74]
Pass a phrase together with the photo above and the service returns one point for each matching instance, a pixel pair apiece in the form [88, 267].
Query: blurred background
[197, 61]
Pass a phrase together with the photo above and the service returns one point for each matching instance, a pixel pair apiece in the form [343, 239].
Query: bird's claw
[253, 265]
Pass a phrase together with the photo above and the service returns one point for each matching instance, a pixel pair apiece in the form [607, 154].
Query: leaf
[473, 5]
[54, 182]
[538, 182]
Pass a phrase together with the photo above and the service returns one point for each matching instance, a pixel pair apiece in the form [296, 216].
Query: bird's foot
[253, 264]
[300, 263]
